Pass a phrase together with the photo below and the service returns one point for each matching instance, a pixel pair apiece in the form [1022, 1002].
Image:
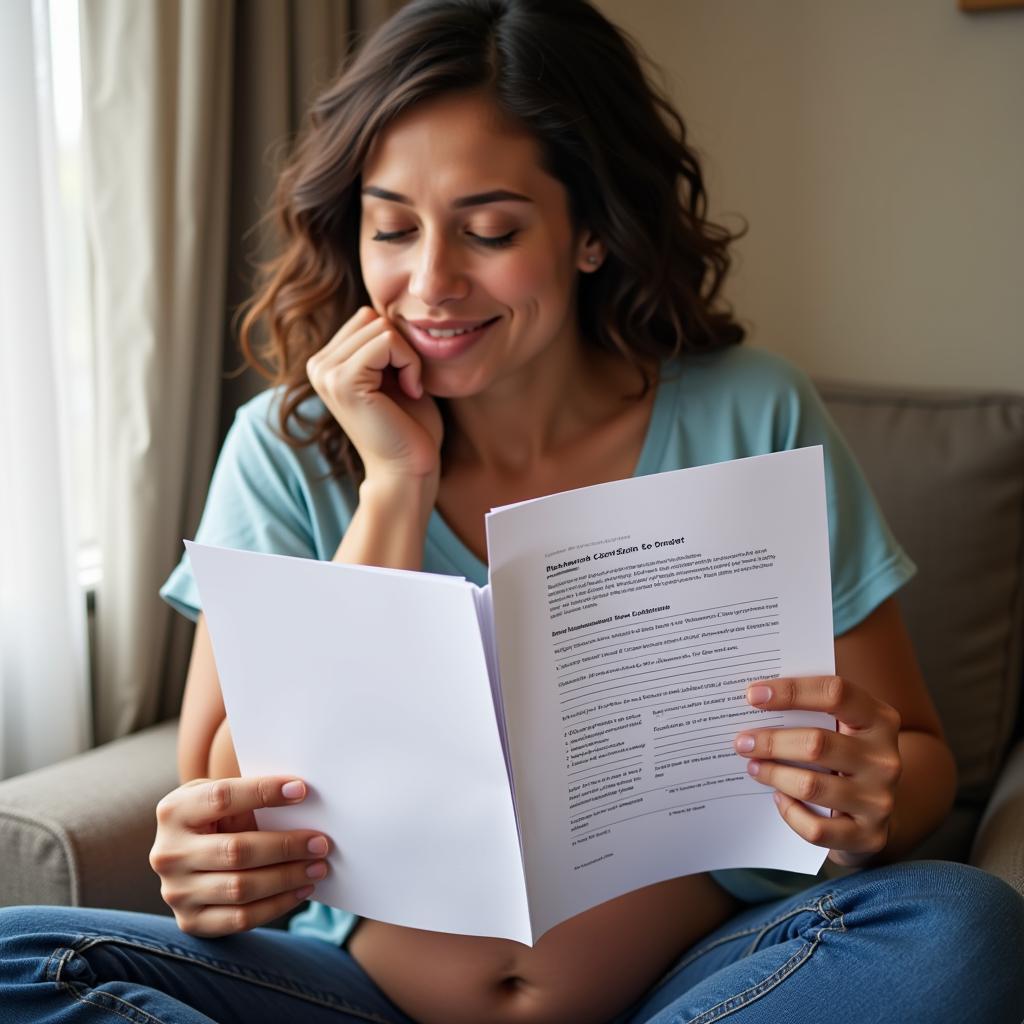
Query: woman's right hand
[218, 872]
[370, 379]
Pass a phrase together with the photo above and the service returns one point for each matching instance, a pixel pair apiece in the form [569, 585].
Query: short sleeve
[867, 562]
[255, 501]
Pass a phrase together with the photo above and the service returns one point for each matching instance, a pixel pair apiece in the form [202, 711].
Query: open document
[494, 761]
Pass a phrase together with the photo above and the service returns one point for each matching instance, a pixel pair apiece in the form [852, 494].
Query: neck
[523, 420]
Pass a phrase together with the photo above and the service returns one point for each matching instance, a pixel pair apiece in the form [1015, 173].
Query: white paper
[623, 764]
[372, 687]
[494, 761]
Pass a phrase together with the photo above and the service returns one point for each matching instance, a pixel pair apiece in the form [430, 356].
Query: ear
[590, 252]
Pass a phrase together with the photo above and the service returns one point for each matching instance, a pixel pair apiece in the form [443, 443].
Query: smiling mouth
[454, 332]
[448, 342]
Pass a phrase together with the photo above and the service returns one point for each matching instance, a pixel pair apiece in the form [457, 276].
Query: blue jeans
[930, 941]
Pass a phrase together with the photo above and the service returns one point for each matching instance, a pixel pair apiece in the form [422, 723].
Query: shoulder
[739, 370]
[261, 414]
[256, 431]
[760, 397]
[256, 450]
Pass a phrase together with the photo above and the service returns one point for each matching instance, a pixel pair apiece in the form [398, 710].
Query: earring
[591, 259]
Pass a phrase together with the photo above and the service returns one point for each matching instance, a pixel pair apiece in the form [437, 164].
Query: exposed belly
[584, 971]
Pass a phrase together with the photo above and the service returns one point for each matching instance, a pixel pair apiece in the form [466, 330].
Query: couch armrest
[78, 833]
[999, 842]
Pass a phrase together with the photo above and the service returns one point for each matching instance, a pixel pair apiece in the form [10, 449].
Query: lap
[144, 968]
[922, 941]
[917, 941]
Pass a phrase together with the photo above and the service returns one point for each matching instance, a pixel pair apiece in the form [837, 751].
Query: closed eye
[494, 243]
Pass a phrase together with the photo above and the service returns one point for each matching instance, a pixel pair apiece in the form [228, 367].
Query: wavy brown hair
[610, 136]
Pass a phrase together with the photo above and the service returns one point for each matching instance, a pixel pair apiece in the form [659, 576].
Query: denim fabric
[76, 964]
[925, 942]
[929, 941]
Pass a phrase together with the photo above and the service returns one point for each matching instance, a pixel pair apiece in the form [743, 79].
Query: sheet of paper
[372, 687]
[629, 618]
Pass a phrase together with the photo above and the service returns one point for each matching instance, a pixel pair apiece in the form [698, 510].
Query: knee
[41, 950]
[19, 923]
[30, 920]
[963, 902]
[28, 937]
[968, 925]
[31, 934]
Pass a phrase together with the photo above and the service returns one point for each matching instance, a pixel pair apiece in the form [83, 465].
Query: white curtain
[44, 705]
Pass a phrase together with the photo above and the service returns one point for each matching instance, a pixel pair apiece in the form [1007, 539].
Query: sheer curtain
[44, 705]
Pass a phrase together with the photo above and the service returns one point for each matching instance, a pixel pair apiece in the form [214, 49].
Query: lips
[450, 325]
[447, 348]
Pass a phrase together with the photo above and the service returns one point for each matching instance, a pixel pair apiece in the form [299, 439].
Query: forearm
[390, 525]
[222, 761]
[202, 711]
[924, 794]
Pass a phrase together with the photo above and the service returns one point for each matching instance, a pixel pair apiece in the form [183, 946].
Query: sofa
[948, 470]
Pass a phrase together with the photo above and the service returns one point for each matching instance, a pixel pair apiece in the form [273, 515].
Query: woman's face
[438, 244]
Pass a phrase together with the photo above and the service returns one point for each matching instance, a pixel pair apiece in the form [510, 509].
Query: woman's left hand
[865, 753]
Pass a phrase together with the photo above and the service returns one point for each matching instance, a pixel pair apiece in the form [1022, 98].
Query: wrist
[400, 496]
[390, 523]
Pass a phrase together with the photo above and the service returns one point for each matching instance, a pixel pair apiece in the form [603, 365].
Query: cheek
[521, 281]
[380, 275]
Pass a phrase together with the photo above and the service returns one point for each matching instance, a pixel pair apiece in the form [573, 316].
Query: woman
[497, 281]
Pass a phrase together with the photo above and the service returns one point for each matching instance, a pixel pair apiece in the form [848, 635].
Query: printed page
[372, 686]
[629, 619]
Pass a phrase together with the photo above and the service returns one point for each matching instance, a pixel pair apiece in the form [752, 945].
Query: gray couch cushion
[78, 833]
[948, 471]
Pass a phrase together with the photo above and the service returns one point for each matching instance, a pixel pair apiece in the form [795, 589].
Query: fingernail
[759, 694]
[317, 846]
[293, 790]
[305, 892]
[753, 768]
[317, 870]
[777, 797]
[745, 743]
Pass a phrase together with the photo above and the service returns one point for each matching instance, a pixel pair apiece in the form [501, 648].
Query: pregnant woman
[497, 280]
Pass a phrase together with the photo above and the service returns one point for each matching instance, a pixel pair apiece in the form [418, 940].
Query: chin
[449, 382]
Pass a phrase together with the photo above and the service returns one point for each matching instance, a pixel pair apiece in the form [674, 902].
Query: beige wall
[877, 149]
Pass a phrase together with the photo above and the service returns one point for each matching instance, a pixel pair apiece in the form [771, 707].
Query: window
[65, 73]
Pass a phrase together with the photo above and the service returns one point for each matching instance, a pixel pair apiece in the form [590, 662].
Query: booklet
[492, 761]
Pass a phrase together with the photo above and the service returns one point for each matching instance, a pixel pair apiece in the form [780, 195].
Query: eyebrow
[481, 198]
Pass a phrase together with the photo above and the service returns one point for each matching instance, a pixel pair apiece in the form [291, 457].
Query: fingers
[216, 920]
[812, 787]
[204, 801]
[391, 349]
[242, 851]
[352, 336]
[823, 747]
[865, 753]
[360, 327]
[851, 755]
[848, 839]
[369, 377]
[188, 897]
[852, 705]
[379, 345]
[219, 882]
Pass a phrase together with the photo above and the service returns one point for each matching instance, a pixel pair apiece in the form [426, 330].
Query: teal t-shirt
[267, 496]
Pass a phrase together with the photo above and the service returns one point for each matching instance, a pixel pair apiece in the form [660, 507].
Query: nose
[436, 274]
